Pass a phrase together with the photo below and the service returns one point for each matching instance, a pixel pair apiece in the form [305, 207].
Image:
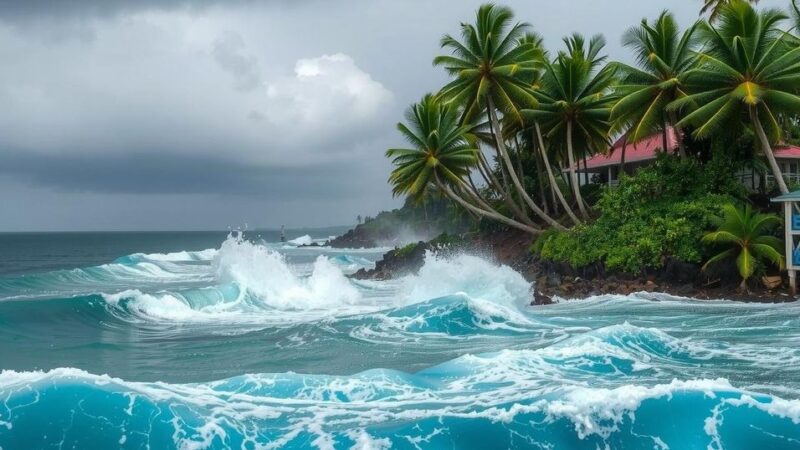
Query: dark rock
[359, 237]
[541, 299]
[396, 263]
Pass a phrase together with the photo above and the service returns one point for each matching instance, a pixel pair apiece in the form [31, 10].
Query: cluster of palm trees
[515, 119]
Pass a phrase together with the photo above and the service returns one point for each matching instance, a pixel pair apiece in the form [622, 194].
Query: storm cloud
[266, 111]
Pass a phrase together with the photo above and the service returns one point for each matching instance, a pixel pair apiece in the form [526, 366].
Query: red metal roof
[641, 151]
[787, 152]
[647, 148]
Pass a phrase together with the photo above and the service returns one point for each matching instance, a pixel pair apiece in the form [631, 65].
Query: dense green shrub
[662, 211]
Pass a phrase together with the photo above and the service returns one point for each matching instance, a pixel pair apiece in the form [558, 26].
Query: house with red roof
[605, 168]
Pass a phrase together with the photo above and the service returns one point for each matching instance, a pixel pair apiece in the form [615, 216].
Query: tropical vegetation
[746, 237]
[507, 138]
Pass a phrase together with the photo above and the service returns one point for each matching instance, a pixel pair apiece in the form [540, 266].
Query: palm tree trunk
[621, 169]
[504, 192]
[572, 173]
[504, 153]
[484, 213]
[767, 148]
[520, 171]
[499, 156]
[551, 176]
[485, 203]
[664, 139]
[540, 179]
[678, 134]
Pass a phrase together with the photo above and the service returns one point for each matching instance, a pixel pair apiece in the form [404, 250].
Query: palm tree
[493, 67]
[442, 154]
[663, 56]
[746, 234]
[714, 8]
[575, 102]
[537, 141]
[747, 66]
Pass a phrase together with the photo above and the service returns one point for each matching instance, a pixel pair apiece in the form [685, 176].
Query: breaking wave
[452, 357]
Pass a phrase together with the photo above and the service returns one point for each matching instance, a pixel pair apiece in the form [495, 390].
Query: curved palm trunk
[552, 177]
[540, 179]
[475, 193]
[773, 164]
[573, 176]
[484, 213]
[504, 153]
[494, 134]
[505, 194]
[621, 169]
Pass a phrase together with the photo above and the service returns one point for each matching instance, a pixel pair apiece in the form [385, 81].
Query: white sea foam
[373, 399]
[264, 273]
[471, 275]
[182, 256]
[302, 240]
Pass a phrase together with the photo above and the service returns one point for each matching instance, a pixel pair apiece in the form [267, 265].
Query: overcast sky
[164, 115]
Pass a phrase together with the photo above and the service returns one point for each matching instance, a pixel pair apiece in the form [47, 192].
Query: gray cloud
[164, 173]
[230, 53]
[198, 114]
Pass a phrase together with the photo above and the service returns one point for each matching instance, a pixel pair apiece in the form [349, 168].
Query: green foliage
[746, 236]
[440, 149]
[664, 210]
[747, 65]
[447, 241]
[663, 56]
[494, 60]
[575, 90]
[405, 251]
[538, 244]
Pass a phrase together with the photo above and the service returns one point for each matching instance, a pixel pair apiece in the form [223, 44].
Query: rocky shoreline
[552, 281]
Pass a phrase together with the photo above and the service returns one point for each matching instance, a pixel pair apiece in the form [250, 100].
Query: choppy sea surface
[206, 341]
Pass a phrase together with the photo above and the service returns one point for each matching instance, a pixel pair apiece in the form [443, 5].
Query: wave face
[272, 346]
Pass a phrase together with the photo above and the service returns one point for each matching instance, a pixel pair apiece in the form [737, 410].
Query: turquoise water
[255, 344]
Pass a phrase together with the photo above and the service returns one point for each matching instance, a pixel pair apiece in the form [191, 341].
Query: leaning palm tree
[663, 56]
[746, 67]
[747, 236]
[442, 154]
[492, 67]
[575, 103]
[714, 7]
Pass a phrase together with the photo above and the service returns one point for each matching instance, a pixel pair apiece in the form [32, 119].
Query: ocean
[223, 340]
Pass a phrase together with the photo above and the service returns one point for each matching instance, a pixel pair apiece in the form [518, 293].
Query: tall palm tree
[663, 56]
[575, 102]
[747, 66]
[538, 142]
[714, 8]
[492, 67]
[442, 154]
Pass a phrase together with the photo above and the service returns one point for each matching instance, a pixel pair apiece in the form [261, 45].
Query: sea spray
[478, 278]
[264, 273]
[452, 357]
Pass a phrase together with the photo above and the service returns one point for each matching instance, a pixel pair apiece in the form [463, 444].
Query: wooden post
[789, 246]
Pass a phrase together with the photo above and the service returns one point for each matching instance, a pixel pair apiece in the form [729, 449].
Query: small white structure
[791, 212]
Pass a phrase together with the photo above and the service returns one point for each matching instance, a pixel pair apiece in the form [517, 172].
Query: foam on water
[471, 275]
[302, 240]
[450, 358]
[506, 399]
